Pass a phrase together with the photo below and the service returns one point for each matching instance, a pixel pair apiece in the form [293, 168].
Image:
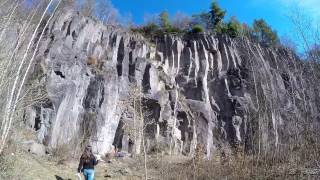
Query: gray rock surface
[196, 90]
[37, 149]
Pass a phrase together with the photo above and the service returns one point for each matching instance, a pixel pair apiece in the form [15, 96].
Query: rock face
[192, 90]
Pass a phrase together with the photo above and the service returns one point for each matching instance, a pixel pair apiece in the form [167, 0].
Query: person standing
[87, 163]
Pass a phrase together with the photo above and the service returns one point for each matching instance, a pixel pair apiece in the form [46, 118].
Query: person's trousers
[88, 174]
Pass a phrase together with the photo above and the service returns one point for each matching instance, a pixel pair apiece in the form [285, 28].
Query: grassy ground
[18, 164]
[30, 167]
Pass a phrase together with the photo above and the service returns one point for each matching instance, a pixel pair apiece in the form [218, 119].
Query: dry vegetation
[294, 163]
[297, 160]
[7, 161]
[300, 164]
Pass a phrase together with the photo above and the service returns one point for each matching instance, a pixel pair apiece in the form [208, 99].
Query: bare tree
[106, 13]
[13, 10]
[288, 42]
[127, 20]
[103, 10]
[138, 124]
[151, 19]
[19, 76]
[181, 21]
[307, 33]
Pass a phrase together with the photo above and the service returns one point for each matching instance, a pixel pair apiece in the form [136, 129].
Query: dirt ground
[19, 164]
[31, 167]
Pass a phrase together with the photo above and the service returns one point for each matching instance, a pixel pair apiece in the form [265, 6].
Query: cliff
[107, 85]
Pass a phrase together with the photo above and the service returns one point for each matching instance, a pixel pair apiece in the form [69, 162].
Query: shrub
[62, 154]
[148, 30]
[155, 28]
[92, 61]
[197, 29]
[166, 26]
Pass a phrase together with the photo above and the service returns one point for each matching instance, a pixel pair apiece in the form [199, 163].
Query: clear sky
[275, 12]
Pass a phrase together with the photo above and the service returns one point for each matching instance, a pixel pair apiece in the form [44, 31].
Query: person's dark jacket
[87, 164]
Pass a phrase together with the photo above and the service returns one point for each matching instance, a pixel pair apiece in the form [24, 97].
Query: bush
[156, 28]
[295, 161]
[197, 29]
[147, 30]
[175, 30]
[62, 154]
[92, 61]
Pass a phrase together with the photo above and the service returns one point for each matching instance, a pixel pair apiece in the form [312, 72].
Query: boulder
[37, 149]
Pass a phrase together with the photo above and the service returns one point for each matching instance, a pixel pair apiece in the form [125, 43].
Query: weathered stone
[37, 149]
[197, 89]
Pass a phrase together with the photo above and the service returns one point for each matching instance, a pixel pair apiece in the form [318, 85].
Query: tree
[264, 34]
[247, 31]
[20, 75]
[105, 12]
[127, 20]
[181, 21]
[202, 19]
[148, 30]
[211, 20]
[166, 25]
[138, 124]
[307, 32]
[164, 21]
[287, 42]
[314, 53]
[150, 18]
[216, 15]
[233, 28]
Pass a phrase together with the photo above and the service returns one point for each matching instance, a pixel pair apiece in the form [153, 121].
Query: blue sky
[275, 12]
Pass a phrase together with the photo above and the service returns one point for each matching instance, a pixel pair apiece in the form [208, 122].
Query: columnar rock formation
[196, 90]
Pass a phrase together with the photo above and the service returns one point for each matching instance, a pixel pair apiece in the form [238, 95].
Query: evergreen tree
[212, 20]
[233, 28]
[164, 21]
[216, 15]
[203, 19]
[264, 34]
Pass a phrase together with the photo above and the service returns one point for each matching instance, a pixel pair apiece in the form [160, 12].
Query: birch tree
[19, 74]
